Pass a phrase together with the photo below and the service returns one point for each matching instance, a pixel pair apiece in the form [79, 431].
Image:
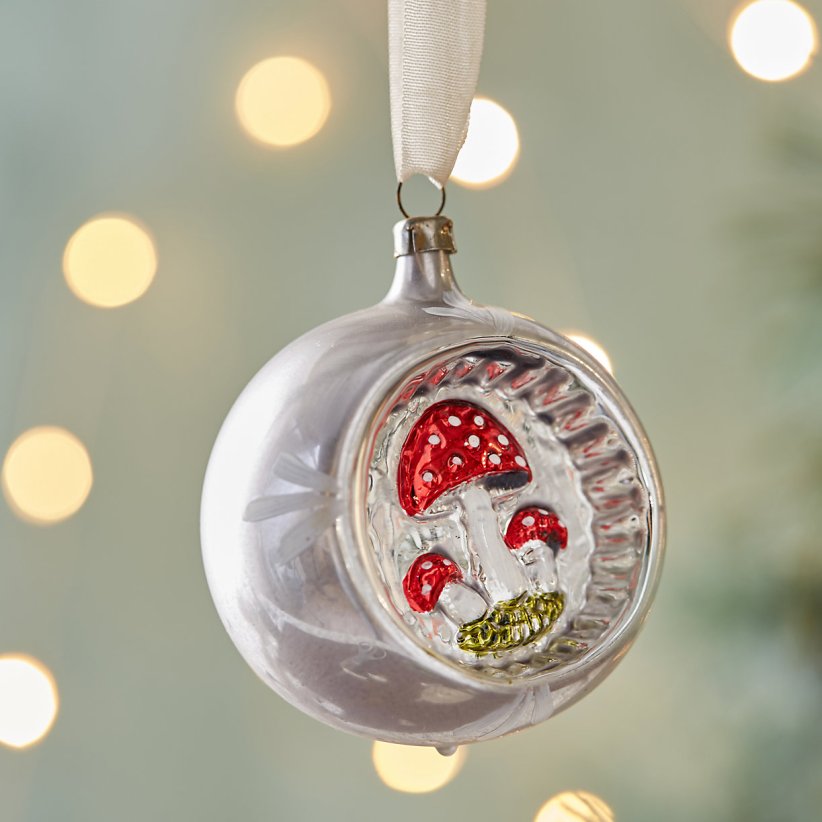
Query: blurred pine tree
[764, 600]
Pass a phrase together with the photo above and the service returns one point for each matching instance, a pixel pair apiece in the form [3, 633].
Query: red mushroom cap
[425, 579]
[451, 443]
[531, 524]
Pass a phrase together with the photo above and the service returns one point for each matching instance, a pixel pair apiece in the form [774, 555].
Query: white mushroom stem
[502, 574]
[540, 564]
[461, 603]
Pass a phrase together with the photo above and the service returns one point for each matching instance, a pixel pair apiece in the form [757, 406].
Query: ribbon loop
[435, 48]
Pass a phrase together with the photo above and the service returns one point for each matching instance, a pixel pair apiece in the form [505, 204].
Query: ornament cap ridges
[418, 235]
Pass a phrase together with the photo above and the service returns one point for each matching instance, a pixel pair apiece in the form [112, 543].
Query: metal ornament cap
[418, 235]
[479, 608]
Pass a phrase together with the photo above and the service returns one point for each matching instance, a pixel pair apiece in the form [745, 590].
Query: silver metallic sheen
[285, 532]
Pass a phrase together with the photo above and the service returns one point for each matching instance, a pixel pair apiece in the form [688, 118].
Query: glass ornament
[432, 522]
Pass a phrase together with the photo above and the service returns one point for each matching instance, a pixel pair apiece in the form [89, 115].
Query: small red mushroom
[426, 578]
[435, 580]
[536, 524]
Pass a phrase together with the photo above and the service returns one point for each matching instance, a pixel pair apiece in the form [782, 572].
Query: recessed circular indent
[530, 594]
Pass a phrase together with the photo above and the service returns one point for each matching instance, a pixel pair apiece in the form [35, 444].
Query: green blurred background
[664, 202]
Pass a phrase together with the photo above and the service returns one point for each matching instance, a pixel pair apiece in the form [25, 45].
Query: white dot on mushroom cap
[434, 439]
[502, 439]
[455, 421]
[427, 565]
[526, 521]
[427, 476]
[478, 420]
[474, 441]
[520, 461]
[425, 590]
[446, 562]
[494, 459]
[456, 460]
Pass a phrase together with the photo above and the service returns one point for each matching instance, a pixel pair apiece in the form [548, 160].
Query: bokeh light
[593, 348]
[415, 769]
[491, 148]
[283, 101]
[773, 40]
[28, 700]
[575, 806]
[47, 475]
[109, 261]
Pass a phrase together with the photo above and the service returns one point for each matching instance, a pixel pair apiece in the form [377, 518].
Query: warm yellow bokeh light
[575, 806]
[283, 101]
[415, 769]
[46, 475]
[28, 700]
[491, 147]
[109, 261]
[593, 348]
[773, 40]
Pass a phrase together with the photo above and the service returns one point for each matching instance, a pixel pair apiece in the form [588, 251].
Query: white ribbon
[435, 48]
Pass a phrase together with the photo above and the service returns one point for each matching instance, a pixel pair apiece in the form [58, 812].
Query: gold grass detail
[512, 623]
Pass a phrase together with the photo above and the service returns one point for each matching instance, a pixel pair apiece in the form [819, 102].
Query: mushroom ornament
[432, 522]
[451, 449]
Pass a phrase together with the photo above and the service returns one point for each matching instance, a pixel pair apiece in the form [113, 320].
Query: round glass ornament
[432, 522]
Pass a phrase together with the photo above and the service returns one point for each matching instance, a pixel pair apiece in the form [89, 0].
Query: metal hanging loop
[407, 215]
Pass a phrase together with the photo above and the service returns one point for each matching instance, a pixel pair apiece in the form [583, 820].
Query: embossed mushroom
[536, 525]
[435, 580]
[450, 450]
[537, 535]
